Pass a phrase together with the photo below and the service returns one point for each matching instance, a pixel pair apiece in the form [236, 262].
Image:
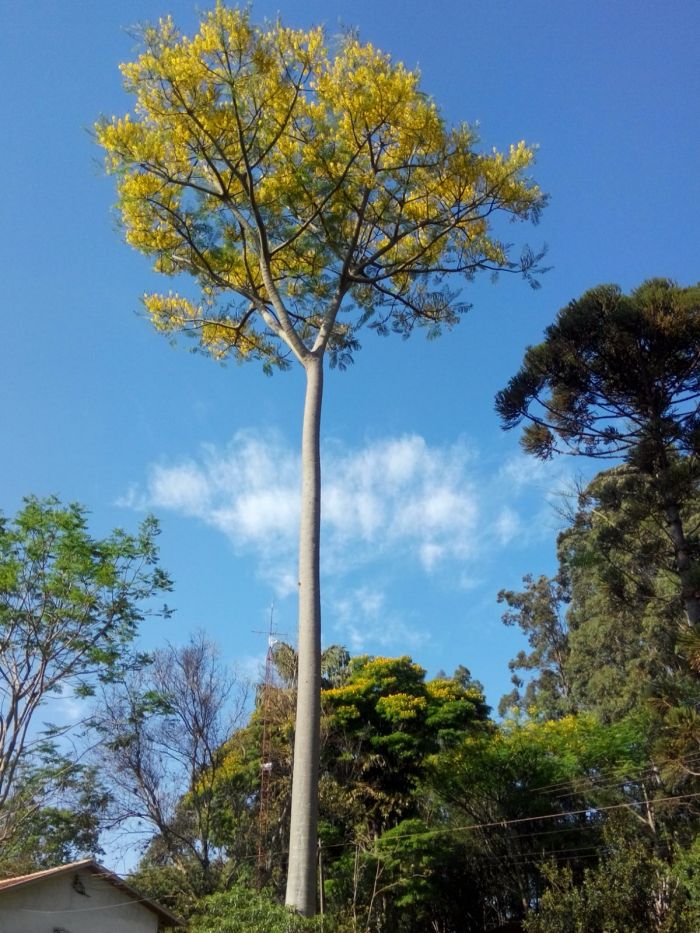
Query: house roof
[94, 868]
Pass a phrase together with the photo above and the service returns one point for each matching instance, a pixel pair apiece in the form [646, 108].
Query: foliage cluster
[70, 607]
[311, 189]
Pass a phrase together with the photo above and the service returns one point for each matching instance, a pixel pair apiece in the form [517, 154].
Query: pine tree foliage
[618, 376]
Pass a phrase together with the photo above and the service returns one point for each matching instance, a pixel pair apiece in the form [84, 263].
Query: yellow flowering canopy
[309, 188]
[383, 696]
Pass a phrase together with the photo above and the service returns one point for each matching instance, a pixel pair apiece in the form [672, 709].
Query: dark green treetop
[618, 376]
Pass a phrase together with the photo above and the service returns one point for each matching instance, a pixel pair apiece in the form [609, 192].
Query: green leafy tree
[308, 191]
[334, 664]
[382, 727]
[604, 631]
[60, 809]
[530, 788]
[422, 879]
[379, 729]
[70, 607]
[624, 614]
[242, 910]
[539, 613]
[628, 890]
[625, 666]
[618, 376]
[686, 874]
[384, 721]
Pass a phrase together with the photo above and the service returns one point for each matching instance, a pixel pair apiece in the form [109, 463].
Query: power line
[453, 831]
[554, 816]
[495, 824]
[610, 778]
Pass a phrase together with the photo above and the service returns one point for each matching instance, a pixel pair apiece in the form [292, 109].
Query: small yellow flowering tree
[308, 190]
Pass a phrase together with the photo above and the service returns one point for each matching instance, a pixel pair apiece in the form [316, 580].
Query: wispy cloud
[364, 622]
[523, 474]
[432, 506]
[65, 708]
[532, 495]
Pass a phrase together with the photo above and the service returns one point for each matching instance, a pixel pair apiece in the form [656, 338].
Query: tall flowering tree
[309, 189]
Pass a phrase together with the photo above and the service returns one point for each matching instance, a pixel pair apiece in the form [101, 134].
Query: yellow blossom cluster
[288, 177]
[401, 706]
[218, 335]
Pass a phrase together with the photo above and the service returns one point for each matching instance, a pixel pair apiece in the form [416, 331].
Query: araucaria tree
[618, 376]
[308, 190]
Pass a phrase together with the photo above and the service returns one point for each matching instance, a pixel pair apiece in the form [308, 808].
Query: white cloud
[401, 495]
[251, 667]
[523, 474]
[182, 488]
[362, 620]
[540, 491]
[521, 471]
[468, 582]
[438, 508]
[65, 708]
[397, 495]
[507, 525]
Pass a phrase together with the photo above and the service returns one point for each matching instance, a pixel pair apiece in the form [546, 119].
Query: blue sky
[430, 508]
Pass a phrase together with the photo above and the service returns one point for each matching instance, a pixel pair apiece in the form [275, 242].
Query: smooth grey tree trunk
[301, 875]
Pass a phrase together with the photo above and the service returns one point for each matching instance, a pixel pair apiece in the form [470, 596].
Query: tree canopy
[70, 607]
[435, 817]
[619, 376]
[286, 175]
[604, 631]
[615, 375]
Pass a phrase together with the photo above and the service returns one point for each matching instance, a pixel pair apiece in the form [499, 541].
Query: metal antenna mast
[266, 762]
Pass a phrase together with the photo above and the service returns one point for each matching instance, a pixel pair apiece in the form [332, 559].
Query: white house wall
[53, 904]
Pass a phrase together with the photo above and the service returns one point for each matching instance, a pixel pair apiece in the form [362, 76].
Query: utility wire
[495, 824]
[649, 768]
